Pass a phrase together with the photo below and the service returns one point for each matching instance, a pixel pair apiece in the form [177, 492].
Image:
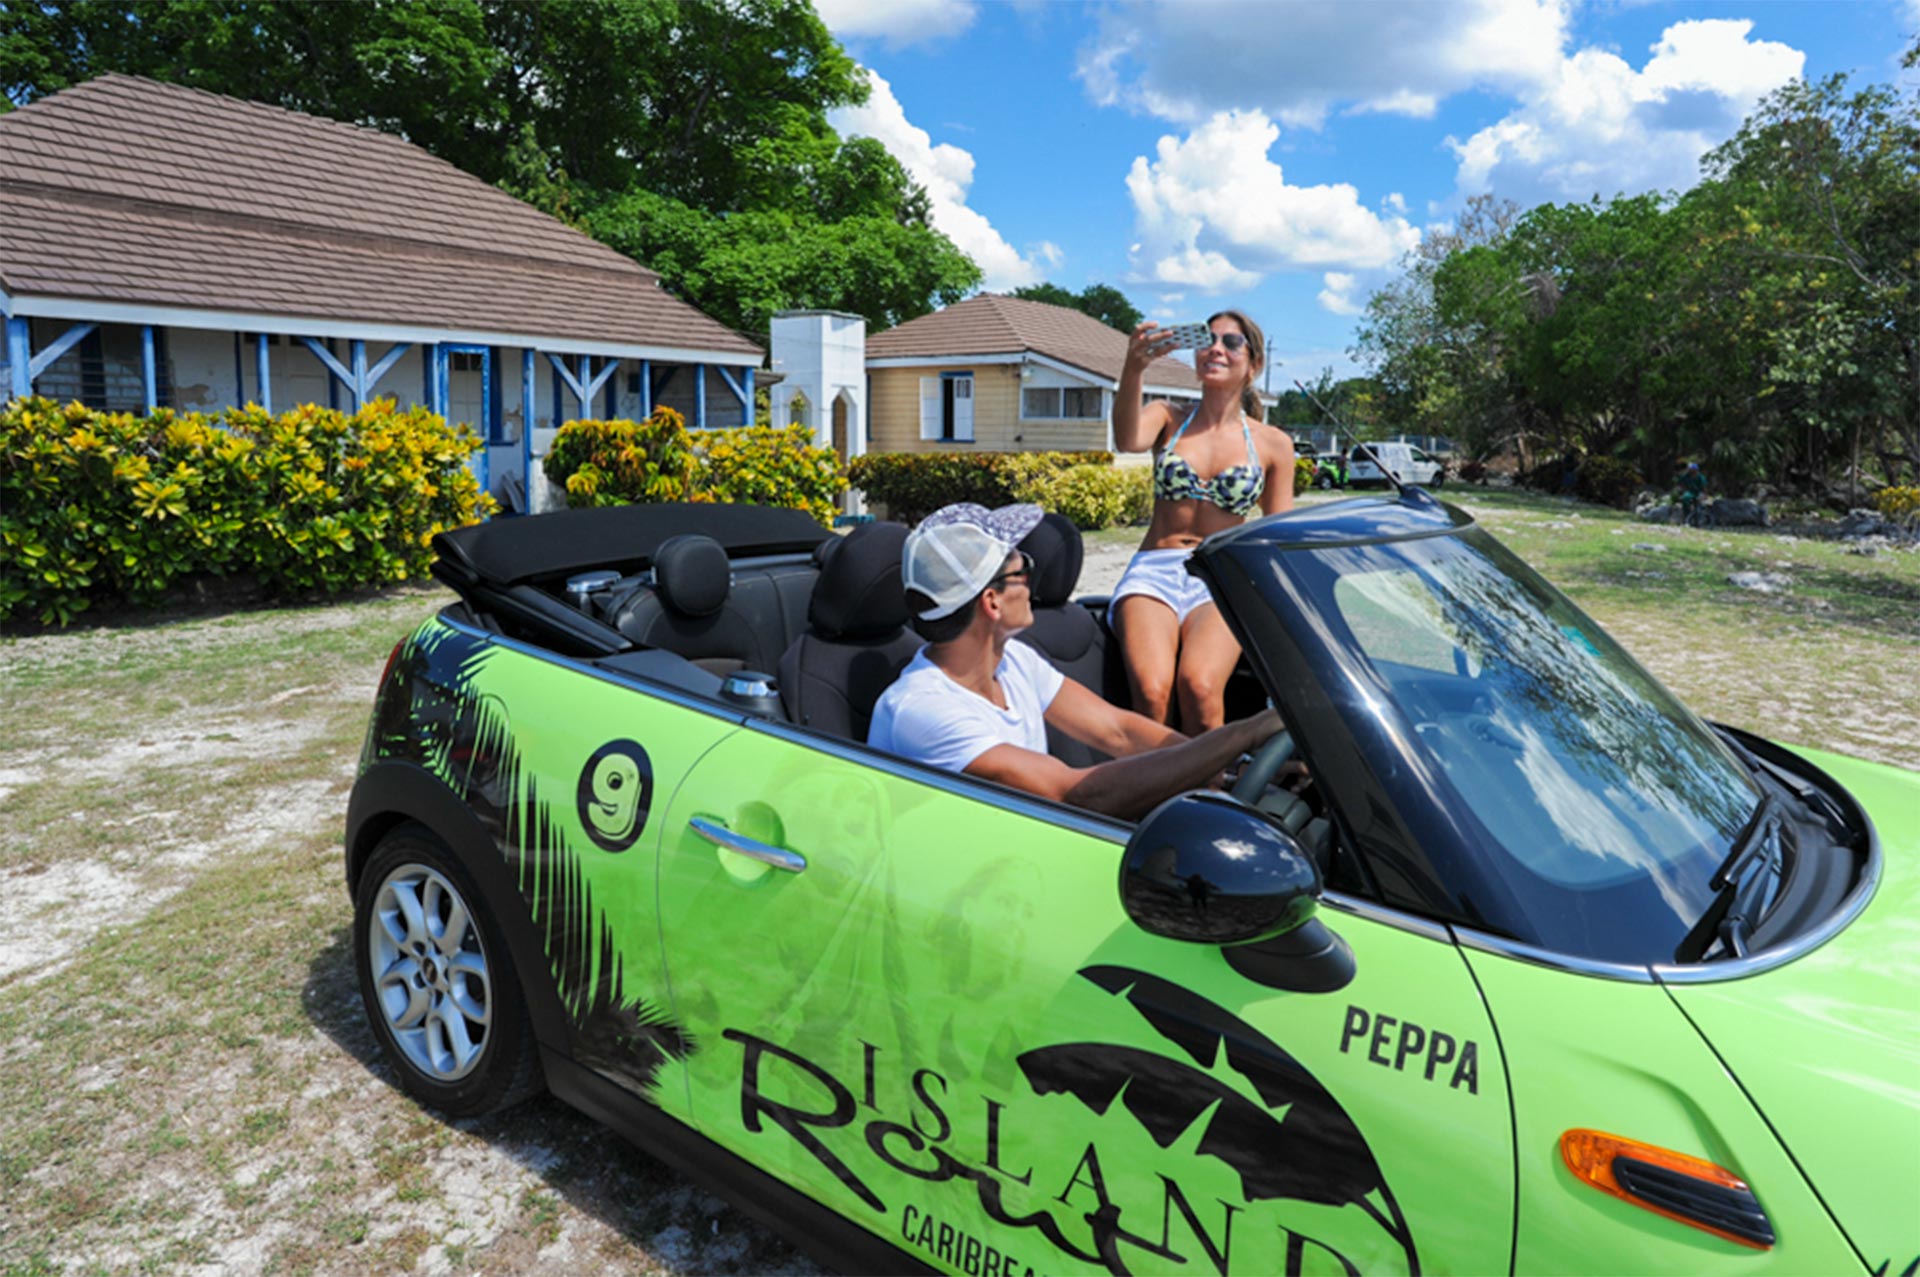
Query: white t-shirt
[929, 718]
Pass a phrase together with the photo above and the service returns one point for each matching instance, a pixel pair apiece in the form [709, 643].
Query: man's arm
[1092, 720]
[1126, 787]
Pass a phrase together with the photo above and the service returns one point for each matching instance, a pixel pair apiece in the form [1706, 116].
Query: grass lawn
[184, 1075]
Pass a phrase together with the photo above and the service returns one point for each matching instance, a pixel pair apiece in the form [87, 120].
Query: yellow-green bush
[1899, 505]
[914, 484]
[624, 462]
[100, 505]
[659, 459]
[1093, 496]
[759, 465]
[1302, 475]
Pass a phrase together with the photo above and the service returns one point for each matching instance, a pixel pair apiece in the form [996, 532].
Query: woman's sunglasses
[1234, 342]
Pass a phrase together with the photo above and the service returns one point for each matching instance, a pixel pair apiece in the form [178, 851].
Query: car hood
[1828, 1046]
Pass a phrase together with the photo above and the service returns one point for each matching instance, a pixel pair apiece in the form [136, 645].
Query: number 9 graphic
[616, 791]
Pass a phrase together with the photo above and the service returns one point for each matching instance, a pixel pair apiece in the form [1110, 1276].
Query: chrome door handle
[717, 833]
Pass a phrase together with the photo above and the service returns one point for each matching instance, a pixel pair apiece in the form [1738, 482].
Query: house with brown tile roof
[162, 245]
[1003, 374]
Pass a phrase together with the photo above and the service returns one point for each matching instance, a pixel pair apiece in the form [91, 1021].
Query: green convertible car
[1530, 970]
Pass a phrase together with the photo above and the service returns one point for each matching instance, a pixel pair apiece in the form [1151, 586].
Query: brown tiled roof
[991, 324]
[128, 190]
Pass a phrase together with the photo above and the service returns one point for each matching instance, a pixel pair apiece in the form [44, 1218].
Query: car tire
[1324, 481]
[1439, 481]
[441, 994]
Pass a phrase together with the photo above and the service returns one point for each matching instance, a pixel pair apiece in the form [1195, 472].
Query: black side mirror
[1205, 868]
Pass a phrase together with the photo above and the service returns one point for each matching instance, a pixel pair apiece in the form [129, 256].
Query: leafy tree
[694, 131]
[1103, 301]
[1767, 321]
[1821, 190]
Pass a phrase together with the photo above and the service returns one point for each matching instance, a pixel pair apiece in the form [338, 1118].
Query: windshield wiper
[1731, 915]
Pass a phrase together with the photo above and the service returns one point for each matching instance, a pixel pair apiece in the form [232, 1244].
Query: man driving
[973, 701]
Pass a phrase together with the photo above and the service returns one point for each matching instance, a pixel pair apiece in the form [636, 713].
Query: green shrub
[1899, 505]
[100, 506]
[1608, 482]
[763, 466]
[1303, 470]
[659, 459]
[624, 462]
[914, 484]
[1093, 496]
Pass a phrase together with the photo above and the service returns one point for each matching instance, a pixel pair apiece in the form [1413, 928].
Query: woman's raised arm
[1136, 427]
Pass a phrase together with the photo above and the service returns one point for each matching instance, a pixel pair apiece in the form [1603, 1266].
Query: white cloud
[1185, 61]
[946, 171]
[1398, 202]
[1213, 211]
[1598, 127]
[896, 22]
[1337, 296]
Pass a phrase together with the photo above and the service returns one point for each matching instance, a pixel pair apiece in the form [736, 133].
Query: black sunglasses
[1232, 341]
[1024, 571]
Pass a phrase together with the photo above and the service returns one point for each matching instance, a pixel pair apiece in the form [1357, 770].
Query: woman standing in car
[1213, 467]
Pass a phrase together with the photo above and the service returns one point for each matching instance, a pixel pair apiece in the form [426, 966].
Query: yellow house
[1004, 375]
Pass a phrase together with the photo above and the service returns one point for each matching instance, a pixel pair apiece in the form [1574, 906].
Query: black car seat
[856, 641]
[1067, 634]
[690, 611]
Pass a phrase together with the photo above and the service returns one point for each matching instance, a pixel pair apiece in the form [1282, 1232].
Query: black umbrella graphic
[1312, 1153]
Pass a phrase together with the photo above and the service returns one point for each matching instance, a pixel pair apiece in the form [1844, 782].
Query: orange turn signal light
[1689, 1190]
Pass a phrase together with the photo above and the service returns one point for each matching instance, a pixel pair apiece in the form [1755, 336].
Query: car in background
[1329, 468]
[1407, 464]
[1529, 970]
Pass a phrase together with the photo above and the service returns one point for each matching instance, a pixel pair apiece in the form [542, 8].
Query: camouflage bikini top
[1236, 489]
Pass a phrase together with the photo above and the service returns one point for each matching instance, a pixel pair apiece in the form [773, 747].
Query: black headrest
[691, 573]
[1054, 545]
[825, 551]
[859, 594]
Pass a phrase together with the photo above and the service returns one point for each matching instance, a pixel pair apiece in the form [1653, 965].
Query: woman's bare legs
[1150, 642]
[1208, 654]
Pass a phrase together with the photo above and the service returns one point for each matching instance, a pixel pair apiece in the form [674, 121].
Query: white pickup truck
[1407, 463]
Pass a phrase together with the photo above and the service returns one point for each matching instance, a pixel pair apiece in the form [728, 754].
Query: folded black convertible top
[543, 548]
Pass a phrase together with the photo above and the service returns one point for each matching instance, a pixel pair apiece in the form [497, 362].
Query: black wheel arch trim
[393, 792]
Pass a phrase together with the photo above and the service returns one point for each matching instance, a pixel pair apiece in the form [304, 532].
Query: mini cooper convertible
[1527, 969]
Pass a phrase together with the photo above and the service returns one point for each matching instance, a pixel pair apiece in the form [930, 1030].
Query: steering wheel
[1263, 767]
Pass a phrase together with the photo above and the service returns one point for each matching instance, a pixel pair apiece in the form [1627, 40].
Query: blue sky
[1281, 157]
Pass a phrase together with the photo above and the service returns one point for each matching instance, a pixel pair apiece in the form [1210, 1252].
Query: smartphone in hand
[1189, 336]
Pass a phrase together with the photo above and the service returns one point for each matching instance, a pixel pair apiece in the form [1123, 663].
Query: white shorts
[1162, 574]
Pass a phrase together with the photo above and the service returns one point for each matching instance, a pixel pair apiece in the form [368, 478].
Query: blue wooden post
[646, 388]
[749, 408]
[700, 397]
[496, 410]
[558, 412]
[264, 370]
[20, 356]
[359, 349]
[526, 426]
[585, 373]
[149, 392]
[611, 407]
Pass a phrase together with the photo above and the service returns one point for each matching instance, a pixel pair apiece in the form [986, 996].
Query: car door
[568, 770]
[935, 1017]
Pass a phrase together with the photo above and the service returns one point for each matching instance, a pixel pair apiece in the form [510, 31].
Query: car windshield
[1603, 803]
